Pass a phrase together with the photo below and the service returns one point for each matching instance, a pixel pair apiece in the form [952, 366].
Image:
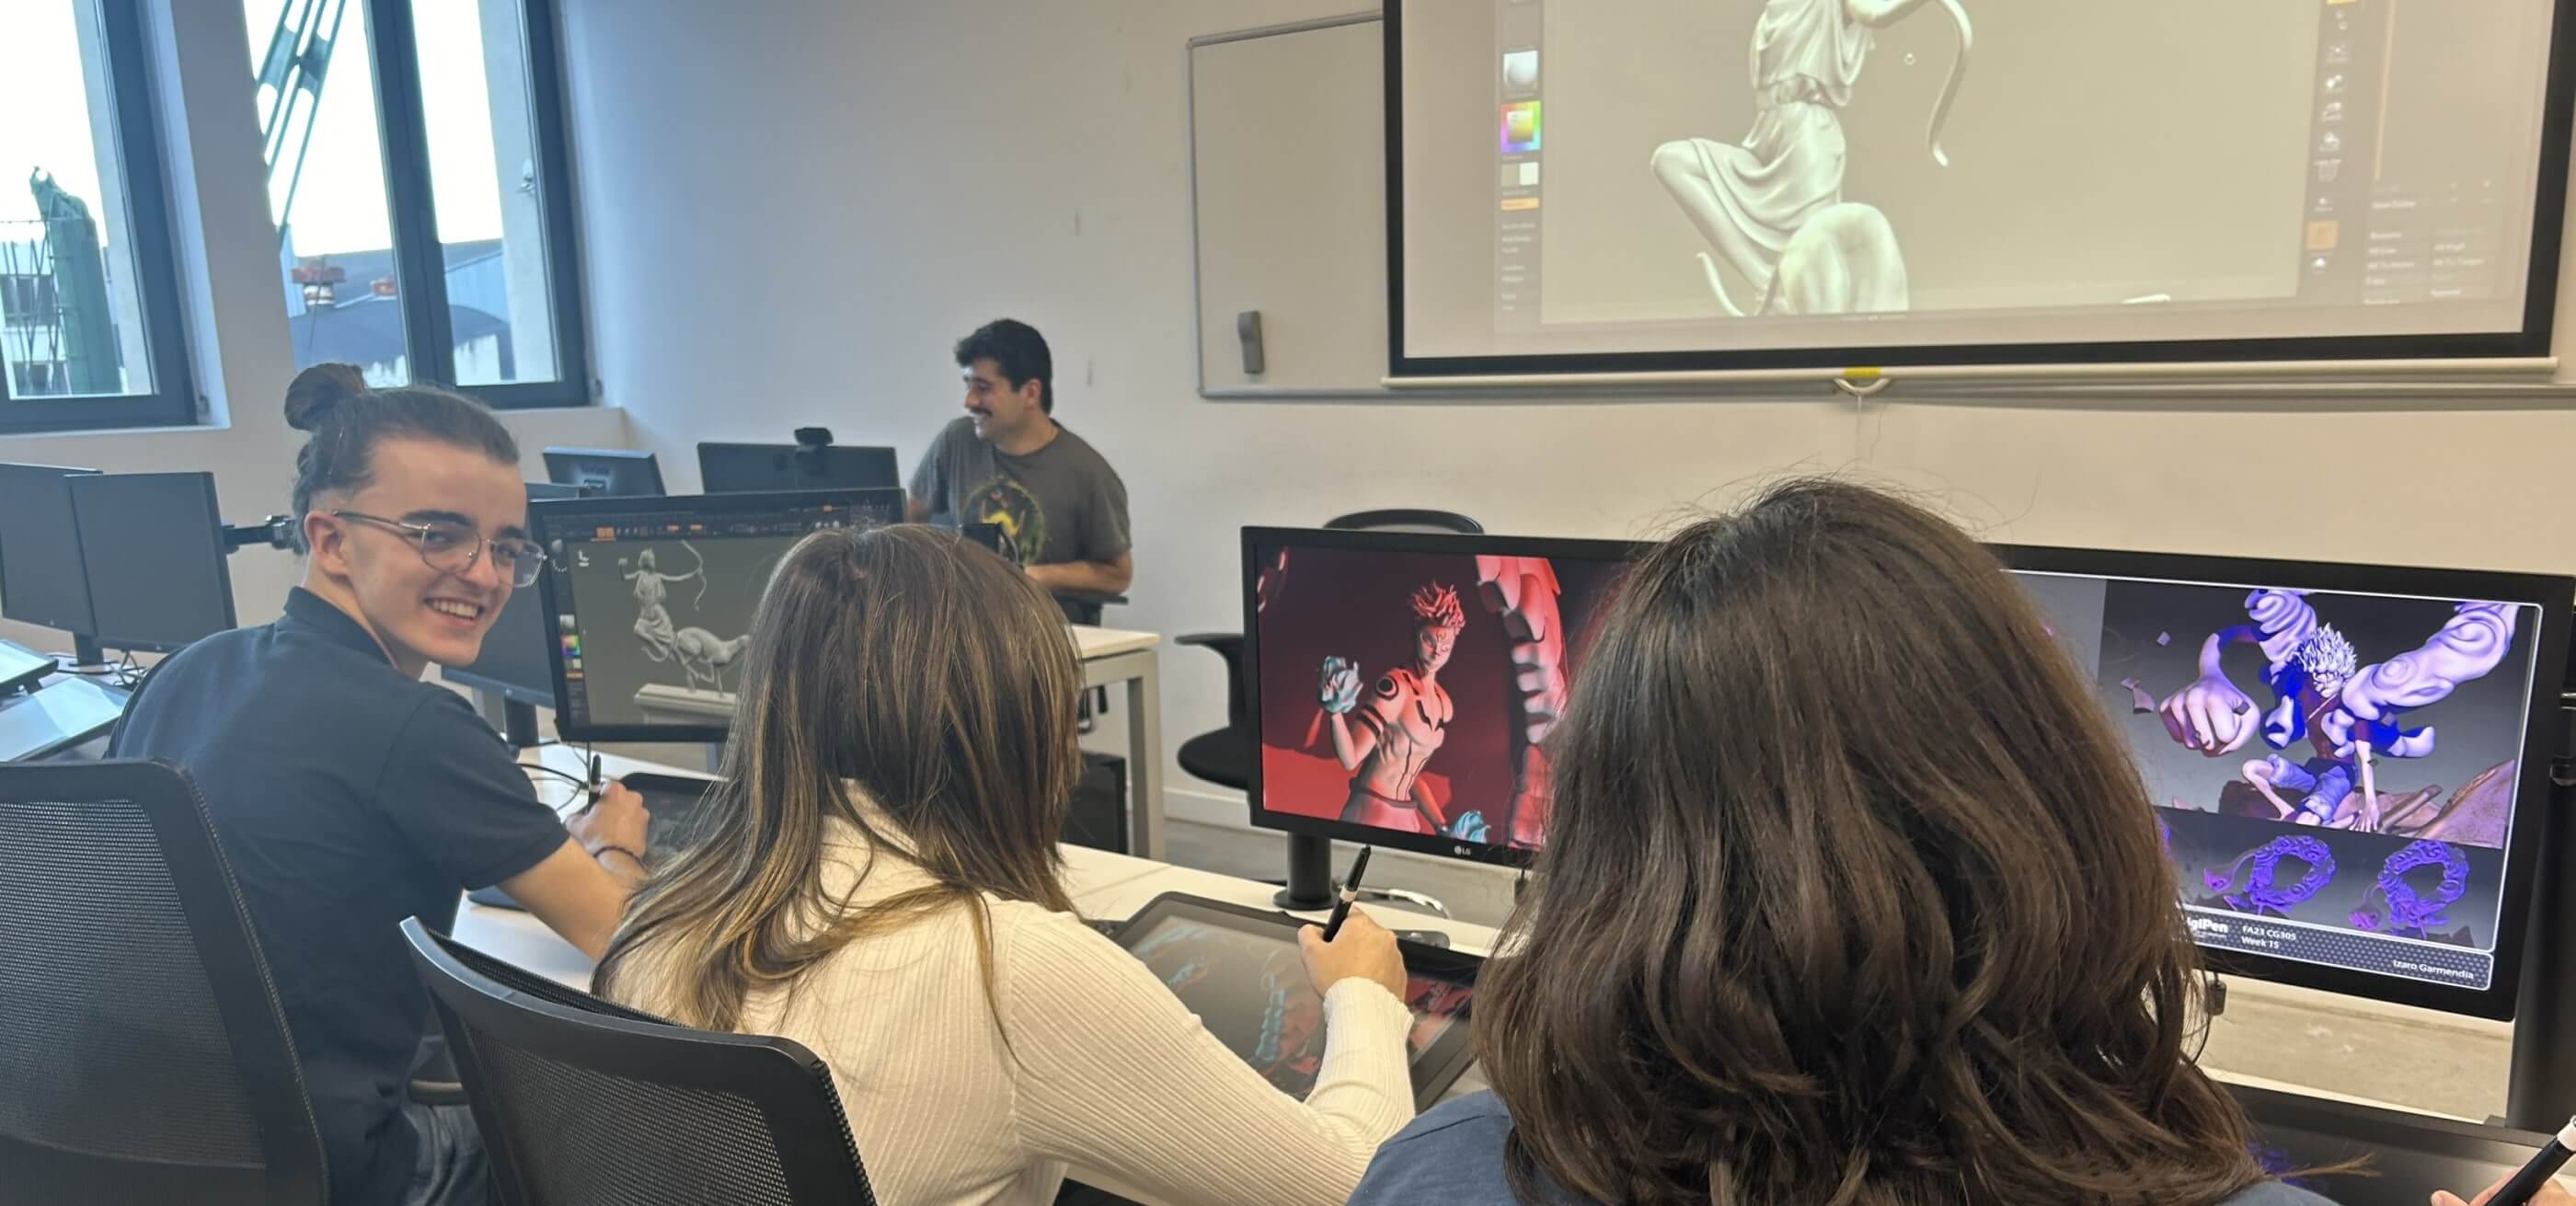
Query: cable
[567, 777]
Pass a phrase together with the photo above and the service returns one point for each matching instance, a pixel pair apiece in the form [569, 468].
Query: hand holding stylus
[1362, 951]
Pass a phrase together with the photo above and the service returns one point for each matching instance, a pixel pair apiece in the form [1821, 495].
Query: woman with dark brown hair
[1852, 896]
[881, 883]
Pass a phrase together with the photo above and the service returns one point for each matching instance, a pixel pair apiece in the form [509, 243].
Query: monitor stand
[1310, 874]
[516, 721]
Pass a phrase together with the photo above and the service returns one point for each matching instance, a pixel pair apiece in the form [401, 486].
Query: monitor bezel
[1432, 543]
[558, 459]
[610, 507]
[721, 449]
[2552, 594]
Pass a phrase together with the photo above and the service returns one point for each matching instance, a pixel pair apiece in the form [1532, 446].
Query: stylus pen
[2544, 1164]
[1350, 892]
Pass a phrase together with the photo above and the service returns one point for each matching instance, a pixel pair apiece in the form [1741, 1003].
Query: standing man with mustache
[1007, 463]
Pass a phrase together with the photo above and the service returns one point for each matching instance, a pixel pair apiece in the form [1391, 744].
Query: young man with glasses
[349, 794]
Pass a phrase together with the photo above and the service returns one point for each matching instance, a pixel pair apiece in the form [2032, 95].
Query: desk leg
[1145, 760]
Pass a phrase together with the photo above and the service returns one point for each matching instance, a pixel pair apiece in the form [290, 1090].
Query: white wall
[791, 217]
[237, 316]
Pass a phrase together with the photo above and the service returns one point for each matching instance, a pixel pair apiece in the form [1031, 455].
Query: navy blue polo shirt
[347, 797]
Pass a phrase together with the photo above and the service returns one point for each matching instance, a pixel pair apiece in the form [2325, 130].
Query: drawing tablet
[676, 805]
[1239, 970]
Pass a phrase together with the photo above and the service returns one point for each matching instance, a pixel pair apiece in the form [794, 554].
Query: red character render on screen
[1391, 734]
[1524, 591]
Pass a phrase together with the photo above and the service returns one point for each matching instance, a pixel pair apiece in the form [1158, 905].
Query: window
[416, 173]
[89, 309]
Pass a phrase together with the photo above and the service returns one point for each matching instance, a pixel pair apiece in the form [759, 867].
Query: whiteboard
[1288, 206]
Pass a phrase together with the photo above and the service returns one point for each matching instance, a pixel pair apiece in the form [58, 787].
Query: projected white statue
[1772, 206]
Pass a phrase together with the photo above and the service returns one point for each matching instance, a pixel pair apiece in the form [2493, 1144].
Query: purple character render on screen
[2263, 891]
[2408, 909]
[2346, 712]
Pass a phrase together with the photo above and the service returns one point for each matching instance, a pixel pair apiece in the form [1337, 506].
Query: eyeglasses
[454, 548]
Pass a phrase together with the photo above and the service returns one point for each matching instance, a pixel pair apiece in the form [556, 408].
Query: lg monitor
[1402, 682]
[514, 664]
[650, 601]
[610, 472]
[154, 550]
[41, 581]
[731, 468]
[2350, 763]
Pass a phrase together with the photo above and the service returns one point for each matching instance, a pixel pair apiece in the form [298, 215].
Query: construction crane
[293, 71]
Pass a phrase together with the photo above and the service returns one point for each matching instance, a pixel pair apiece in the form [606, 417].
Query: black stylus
[1350, 892]
[2544, 1164]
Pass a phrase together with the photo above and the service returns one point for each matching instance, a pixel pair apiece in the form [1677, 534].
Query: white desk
[1111, 656]
[1102, 884]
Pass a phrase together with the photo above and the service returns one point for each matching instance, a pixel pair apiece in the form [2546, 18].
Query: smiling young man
[1007, 463]
[348, 794]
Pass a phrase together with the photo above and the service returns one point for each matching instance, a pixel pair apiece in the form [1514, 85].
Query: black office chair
[143, 1054]
[1224, 756]
[581, 1101]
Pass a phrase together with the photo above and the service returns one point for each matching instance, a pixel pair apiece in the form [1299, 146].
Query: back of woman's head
[932, 675]
[348, 420]
[1851, 895]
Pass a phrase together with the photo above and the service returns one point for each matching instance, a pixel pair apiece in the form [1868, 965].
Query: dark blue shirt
[347, 798]
[1454, 1154]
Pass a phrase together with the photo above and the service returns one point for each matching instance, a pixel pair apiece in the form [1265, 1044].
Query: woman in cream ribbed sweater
[880, 884]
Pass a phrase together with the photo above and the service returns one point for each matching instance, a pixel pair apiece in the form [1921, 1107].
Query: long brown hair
[1851, 895]
[934, 676]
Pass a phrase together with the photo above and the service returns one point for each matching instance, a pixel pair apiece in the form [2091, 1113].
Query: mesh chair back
[146, 1057]
[581, 1102]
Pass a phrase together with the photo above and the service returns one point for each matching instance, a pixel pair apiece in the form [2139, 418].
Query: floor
[2410, 1058]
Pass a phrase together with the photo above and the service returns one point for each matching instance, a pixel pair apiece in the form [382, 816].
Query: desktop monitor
[1462, 645]
[41, 581]
[154, 549]
[730, 468]
[651, 601]
[2350, 763]
[610, 472]
[514, 664]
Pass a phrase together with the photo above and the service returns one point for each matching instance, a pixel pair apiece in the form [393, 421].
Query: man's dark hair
[348, 419]
[1018, 350]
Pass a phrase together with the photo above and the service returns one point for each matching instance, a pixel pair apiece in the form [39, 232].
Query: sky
[46, 91]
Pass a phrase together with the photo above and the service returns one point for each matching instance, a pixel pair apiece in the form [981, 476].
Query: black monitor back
[739, 468]
[608, 472]
[41, 581]
[154, 550]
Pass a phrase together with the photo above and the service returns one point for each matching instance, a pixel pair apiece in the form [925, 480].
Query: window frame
[410, 197]
[172, 401]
